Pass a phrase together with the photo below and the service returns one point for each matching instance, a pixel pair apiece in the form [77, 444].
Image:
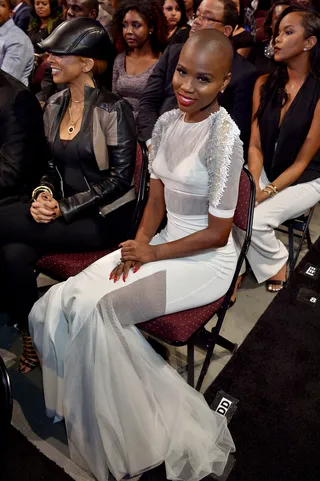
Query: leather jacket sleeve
[52, 179]
[118, 177]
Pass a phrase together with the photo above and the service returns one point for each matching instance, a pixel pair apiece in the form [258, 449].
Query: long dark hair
[273, 90]
[153, 15]
[182, 7]
[55, 16]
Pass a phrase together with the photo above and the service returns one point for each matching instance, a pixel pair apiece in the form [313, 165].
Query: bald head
[213, 44]
[202, 72]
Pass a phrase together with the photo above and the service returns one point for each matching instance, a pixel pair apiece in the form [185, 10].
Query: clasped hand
[260, 196]
[133, 255]
[45, 209]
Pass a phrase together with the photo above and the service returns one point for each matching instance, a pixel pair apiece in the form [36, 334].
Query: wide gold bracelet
[269, 192]
[273, 187]
[39, 189]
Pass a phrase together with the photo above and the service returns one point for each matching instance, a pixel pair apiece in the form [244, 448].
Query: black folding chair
[298, 227]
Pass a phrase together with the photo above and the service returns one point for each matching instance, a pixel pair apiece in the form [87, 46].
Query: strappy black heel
[29, 359]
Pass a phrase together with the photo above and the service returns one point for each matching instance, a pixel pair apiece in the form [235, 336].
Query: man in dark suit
[158, 96]
[21, 15]
[24, 152]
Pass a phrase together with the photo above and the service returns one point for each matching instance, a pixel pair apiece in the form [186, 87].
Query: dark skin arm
[138, 251]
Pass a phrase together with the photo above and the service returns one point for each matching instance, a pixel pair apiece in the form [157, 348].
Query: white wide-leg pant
[266, 253]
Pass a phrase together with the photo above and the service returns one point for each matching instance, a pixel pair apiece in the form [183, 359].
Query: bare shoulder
[262, 80]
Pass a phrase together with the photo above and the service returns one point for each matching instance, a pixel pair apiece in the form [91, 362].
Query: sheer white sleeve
[228, 200]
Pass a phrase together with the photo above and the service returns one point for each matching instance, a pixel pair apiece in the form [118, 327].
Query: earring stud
[222, 91]
[305, 49]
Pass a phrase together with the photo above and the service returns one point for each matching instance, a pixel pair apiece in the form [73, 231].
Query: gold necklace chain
[72, 122]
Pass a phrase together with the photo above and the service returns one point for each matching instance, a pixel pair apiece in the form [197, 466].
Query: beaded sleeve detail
[218, 150]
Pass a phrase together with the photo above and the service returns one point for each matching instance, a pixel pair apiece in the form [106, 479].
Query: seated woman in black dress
[177, 20]
[85, 200]
[284, 155]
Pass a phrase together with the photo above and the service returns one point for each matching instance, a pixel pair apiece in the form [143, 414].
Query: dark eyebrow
[198, 73]
[204, 73]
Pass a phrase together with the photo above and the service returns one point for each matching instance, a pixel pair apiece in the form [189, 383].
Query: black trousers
[23, 241]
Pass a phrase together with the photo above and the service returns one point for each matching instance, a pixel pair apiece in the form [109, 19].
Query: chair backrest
[242, 219]
[246, 198]
[140, 178]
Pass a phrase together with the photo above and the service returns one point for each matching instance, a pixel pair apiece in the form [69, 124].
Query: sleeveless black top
[280, 146]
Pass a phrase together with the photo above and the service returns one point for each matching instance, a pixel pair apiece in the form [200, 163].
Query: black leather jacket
[108, 132]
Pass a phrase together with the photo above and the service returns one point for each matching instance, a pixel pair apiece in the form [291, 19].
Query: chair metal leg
[308, 237]
[206, 362]
[191, 363]
[204, 336]
[226, 344]
[291, 250]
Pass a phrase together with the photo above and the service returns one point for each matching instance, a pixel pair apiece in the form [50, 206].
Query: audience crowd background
[81, 82]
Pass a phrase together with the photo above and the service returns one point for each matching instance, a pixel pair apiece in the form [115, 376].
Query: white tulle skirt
[126, 410]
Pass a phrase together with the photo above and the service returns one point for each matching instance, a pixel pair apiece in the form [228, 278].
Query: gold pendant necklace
[72, 122]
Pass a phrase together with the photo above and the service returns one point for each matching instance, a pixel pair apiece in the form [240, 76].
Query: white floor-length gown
[126, 410]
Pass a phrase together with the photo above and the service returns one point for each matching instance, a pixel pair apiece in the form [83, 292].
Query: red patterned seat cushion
[242, 210]
[179, 327]
[62, 266]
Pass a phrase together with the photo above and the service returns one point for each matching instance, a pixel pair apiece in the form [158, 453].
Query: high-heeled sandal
[29, 359]
[270, 284]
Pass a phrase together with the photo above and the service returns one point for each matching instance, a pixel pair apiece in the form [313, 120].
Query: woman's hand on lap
[123, 269]
[132, 250]
[261, 196]
[45, 209]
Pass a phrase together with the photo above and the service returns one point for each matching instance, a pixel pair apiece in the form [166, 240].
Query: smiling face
[199, 77]
[135, 29]
[67, 69]
[172, 13]
[5, 12]
[42, 8]
[291, 42]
